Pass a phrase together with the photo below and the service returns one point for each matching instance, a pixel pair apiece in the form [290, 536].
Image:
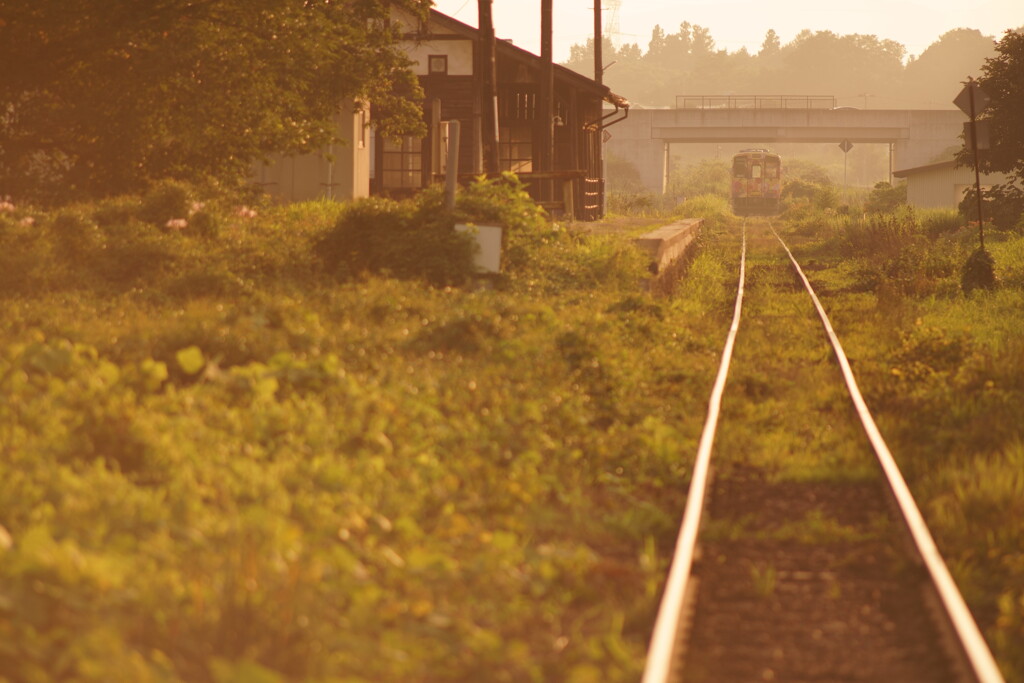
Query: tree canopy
[1003, 81]
[860, 70]
[109, 95]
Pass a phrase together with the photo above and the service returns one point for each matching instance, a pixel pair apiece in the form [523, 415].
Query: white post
[451, 173]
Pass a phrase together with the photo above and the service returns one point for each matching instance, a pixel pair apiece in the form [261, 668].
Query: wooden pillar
[487, 65]
[544, 144]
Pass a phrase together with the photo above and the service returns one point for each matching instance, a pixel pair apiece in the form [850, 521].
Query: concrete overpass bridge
[915, 137]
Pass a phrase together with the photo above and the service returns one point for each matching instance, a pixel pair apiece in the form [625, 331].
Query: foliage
[817, 195]
[801, 169]
[407, 240]
[1002, 205]
[414, 239]
[165, 202]
[713, 208]
[1003, 81]
[202, 88]
[277, 479]
[706, 177]
[938, 222]
[622, 176]
[886, 198]
[500, 201]
[686, 60]
[929, 78]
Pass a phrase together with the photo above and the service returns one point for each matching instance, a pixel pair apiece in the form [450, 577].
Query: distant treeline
[859, 70]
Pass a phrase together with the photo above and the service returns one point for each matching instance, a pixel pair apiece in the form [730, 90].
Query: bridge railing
[755, 102]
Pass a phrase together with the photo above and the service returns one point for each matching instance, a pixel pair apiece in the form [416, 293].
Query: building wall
[341, 171]
[944, 187]
[459, 53]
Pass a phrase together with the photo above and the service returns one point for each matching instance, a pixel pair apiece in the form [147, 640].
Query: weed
[764, 580]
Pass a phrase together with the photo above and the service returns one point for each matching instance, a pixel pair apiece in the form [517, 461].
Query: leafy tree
[1003, 80]
[817, 62]
[771, 45]
[707, 176]
[885, 198]
[931, 77]
[110, 95]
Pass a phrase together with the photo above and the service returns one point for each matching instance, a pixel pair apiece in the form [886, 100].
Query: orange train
[756, 182]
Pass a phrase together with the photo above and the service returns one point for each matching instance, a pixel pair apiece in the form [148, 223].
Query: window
[403, 162]
[755, 170]
[515, 148]
[437, 65]
[739, 167]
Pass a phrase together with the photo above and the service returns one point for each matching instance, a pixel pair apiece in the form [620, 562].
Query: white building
[942, 185]
[340, 172]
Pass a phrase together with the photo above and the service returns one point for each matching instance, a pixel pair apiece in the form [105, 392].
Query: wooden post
[545, 99]
[489, 72]
[599, 79]
[451, 173]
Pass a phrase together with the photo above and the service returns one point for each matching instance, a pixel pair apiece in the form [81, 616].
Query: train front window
[739, 167]
[771, 171]
[755, 171]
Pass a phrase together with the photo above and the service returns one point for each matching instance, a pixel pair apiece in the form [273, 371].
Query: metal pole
[598, 44]
[451, 173]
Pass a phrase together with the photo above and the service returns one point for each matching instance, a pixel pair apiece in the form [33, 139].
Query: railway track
[805, 558]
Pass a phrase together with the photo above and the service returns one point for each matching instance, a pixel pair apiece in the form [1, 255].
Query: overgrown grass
[943, 372]
[219, 462]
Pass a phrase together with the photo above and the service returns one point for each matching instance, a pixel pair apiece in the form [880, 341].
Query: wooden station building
[448, 61]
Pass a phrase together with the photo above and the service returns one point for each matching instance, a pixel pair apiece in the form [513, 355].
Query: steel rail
[665, 636]
[975, 648]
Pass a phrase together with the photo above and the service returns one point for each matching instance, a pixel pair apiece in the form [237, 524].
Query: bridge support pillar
[666, 165]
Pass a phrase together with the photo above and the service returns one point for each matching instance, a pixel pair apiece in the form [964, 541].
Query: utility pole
[489, 72]
[546, 92]
[599, 79]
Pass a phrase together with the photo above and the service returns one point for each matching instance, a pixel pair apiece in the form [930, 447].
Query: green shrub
[205, 224]
[414, 239]
[881, 234]
[714, 209]
[708, 176]
[166, 201]
[1002, 205]
[885, 198]
[74, 235]
[116, 211]
[936, 222]
[816, 195]
[635, 203]
[500, 201]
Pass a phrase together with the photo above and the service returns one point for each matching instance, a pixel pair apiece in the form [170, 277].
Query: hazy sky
[735, 24]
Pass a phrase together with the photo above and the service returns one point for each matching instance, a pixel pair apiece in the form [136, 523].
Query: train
[756, 182]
